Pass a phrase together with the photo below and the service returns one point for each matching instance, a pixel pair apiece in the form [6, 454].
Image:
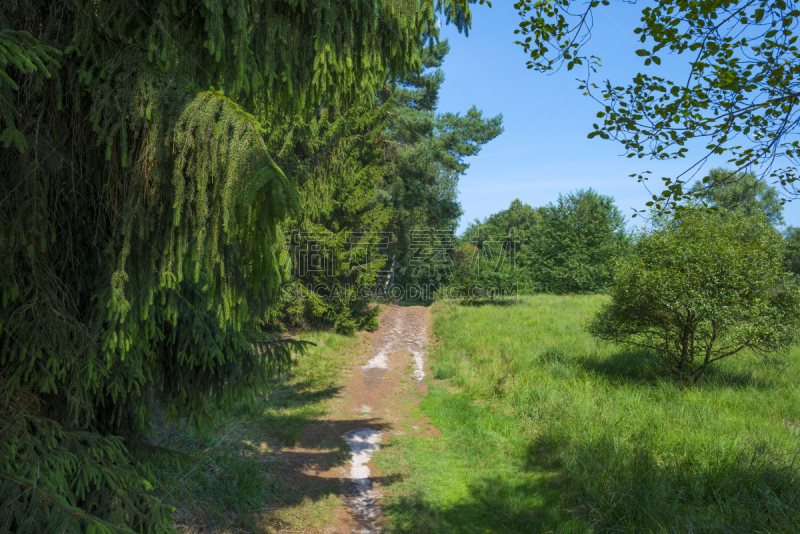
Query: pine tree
[426, 156]
[140, 211]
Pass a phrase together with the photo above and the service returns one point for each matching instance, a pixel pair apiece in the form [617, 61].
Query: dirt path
[374, 403]
[380, 390]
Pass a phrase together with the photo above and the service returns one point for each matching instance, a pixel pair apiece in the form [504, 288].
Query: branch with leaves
[740, 97]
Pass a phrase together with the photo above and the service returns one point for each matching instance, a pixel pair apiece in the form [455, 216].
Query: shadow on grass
[292, 395]
[271, 454]
[228, 479]
[604, 487]
[497, 303]
[633, 488]
[626, 366]
[494, 505]
[642, 368]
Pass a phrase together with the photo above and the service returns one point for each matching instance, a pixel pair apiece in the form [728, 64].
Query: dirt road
[397, 357]
[374, 404]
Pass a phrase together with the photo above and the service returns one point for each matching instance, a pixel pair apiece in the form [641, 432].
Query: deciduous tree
[792, 257]
[577, 242]
[520, 225]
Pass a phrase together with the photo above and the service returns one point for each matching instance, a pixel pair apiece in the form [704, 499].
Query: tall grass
[545, 429]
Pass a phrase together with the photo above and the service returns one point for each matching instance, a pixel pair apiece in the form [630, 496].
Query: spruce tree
[336, 243]
[140, 212]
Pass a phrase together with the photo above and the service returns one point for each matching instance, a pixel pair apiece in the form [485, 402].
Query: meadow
[545, 429]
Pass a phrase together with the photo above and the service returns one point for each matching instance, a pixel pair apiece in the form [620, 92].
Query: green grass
[545, 429]
[233, 477]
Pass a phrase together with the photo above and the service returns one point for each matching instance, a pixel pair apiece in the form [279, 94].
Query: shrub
[480, 273]
[701, 287]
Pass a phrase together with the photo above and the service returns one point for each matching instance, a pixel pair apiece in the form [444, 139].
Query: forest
[216, 217]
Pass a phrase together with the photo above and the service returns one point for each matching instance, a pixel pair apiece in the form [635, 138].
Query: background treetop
[744, 193]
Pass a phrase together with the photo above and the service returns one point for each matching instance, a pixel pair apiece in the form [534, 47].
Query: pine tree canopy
[742, 192]
[426, 156]
[140, 212]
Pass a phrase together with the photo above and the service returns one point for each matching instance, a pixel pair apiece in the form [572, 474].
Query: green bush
[479, 275]
[701, 287]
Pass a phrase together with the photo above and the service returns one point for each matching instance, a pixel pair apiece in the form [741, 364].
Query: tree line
[573, 244]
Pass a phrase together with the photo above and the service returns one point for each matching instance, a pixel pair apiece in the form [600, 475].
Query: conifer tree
[426, 153]
[140, 211]
[336, 243]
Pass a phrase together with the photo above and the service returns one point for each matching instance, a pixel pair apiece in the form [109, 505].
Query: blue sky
[544, 150]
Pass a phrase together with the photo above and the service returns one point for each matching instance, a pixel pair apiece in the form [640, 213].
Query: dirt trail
[374, 403]
[397, 358]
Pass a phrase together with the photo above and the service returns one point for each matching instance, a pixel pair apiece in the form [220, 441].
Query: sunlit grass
[546, 429]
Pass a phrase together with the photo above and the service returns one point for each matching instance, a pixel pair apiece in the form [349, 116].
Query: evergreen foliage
[425, 156]
[337, 244]
[140, 211]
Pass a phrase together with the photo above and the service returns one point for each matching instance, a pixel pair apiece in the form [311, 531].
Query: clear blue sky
[544, 150]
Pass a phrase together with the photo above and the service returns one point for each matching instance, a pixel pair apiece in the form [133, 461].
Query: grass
[545, 429]
[237, 476]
